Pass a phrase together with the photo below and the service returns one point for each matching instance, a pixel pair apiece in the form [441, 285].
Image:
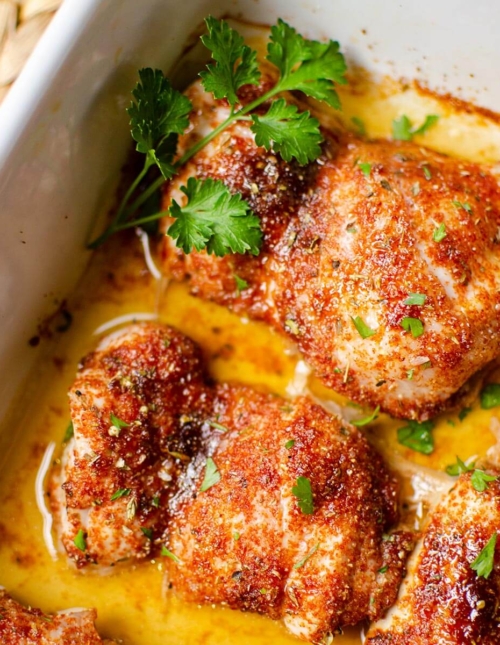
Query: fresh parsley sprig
[212, 218]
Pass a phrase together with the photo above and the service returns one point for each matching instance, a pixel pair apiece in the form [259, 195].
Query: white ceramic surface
[63, 132]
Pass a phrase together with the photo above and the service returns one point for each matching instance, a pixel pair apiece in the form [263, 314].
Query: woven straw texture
[21, 25]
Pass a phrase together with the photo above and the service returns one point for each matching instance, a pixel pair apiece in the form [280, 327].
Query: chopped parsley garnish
[458, 468]
[383, 569]
[301, 563]
[241, 284]
[218, 426]
[80, 541]
[236, 535]
[490, 396]
[303, 492]
[147, 532]
[402, 129]
[292, 327]
[465, 205]
[70, 432]
[415, 299]
[155, 501]
[212, 475]
[439, 233]
[168, 554]
[359, 125]
[365, 168]
[121, 492]
[417, 436]
[480, 480]
[290, 444]
[427, 172]
[483, 564]
[464, 412]
[365, 420]
[363, 330]
[213, 218]
[118, 423]
[413, 325]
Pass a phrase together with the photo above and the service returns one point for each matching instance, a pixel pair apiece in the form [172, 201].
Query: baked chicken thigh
[262, 504]
[381, 260]
[452, 590]
[27, 626]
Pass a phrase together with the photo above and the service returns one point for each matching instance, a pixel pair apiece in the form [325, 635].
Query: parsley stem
[234, 116]
[142, 220]
[113, 227]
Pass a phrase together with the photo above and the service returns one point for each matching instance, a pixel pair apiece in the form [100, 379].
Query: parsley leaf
[306, 65]
[225, 77]
[215, 219]
[414, 325]
[465, 205]
[365, 168]
[303, 492]
[70, 431]
[147, 532]
[212, 475]
[158, 112]
[490, 396]
[480, 480]
[430, 120]
[483, 564]
[80, 542]
[118, 423]
[165, 552]
[365, 420]
[121, 492]
[402, 128]
[241, 284]
[439, 233]
[301, 563]
[359, 125]
[458, 468]
[464, 412]
[417, 436]
[363, 330]
[415, 299]
[290, 444]
[427, 172]
[291, 133]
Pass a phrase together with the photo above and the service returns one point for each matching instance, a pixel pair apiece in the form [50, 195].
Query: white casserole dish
[64, 129]
[65, 134]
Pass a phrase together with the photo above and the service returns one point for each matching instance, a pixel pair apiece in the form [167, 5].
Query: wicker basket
[21, 25]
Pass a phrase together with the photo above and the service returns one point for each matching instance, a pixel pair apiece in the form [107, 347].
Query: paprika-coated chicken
[249, 542]
[27, 626]
[136, 407]
[447, 598]
[381, 260]
[263, 504]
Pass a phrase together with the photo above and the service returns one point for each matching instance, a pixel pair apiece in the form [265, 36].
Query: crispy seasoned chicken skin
[341, 247]
[246, 543]
[28, 626]
[136, 407]
[243, 541]
[443, 601]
